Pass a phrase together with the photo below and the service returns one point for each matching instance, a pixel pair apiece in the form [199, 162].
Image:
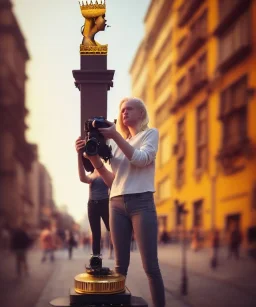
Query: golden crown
[92, 10]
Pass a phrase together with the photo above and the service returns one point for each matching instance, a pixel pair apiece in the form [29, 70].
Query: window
[202, 67]
[226, 6]
[182, 87]
[181, 47]
[164, 51]
[163, 82]
[199, 27]
[194, 40]
[181, 152]
[162, 112]
[192, 73]
[162, 222]
[198, 213]
[201, 136]
[236, 38]
[178, 214]
[233, 113]
[180, 171]
[181, 130]
[198, 73]
[164, 189]
[187, 10]
[165, 149]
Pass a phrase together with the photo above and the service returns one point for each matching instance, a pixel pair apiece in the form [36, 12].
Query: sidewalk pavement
[22, 291]
[63, 279]
[240, 273]
[232, 284]
[227, 286]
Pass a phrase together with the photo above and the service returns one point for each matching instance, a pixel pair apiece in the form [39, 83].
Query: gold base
[93, 50]
[92, 284]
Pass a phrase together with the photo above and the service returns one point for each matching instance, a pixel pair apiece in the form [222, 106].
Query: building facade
[200, 58]
[16, 153]
[25, 184]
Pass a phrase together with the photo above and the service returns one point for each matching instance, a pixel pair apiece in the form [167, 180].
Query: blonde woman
[131, 178]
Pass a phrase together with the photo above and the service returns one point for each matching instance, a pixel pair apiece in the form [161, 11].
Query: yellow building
[196, 71]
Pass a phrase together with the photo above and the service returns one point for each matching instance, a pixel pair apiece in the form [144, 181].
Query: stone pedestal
[86, 300]
[93, 80]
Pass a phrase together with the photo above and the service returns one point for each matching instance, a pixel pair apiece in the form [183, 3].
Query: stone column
[93, 80]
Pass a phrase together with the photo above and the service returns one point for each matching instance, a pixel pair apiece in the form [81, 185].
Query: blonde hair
[121, 128]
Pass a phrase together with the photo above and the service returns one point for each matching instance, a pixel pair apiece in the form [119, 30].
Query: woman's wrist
[99, 166]
[116, 136]
[96, 161]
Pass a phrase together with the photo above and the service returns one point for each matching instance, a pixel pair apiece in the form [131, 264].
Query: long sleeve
[146, 154]
[135, 175]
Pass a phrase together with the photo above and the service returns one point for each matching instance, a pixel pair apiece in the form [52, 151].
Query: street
[233, 283]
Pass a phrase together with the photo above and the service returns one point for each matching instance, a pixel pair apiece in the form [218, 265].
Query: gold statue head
[94, 14]
[93, 10]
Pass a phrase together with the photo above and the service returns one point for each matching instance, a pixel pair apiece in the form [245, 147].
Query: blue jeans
[137, 212]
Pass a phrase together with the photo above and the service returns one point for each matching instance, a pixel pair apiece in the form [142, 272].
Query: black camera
[96, 262]
[95, 267]
[95, 141]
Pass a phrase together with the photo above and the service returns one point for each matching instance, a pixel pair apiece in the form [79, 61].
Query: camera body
[95, 268]
[95, 141]
[96, 262]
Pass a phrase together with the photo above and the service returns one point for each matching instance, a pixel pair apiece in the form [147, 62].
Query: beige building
[25, 184]
[46, 203]
[16, 154]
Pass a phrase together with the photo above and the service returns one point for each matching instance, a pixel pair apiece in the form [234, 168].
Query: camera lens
[91, 147]
[95, 262]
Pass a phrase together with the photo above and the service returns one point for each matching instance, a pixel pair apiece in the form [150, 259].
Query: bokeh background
[193, 62]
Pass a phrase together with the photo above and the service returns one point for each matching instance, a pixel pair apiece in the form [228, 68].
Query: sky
[52, 32]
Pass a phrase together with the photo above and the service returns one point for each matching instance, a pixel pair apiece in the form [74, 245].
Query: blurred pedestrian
[71, 243]
[47, 242]
[86, 242]
[215, 244]
[235, 240]
[20, 242]
[195, 240]
[164, 238]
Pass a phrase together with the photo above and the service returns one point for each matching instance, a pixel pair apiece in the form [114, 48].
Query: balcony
[229, 11]
[183, 95]
[179, 149]
[193, 42]
[227, 155]
[237, 56]
[187, 10]
[197, 82]
[192, 86]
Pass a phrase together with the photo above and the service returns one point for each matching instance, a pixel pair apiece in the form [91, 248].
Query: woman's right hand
[80, 143]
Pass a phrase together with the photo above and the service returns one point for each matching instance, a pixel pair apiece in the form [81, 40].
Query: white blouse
[136, 175]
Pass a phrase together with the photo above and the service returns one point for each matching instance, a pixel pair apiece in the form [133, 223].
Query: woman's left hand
[110, 132]
[95, 160]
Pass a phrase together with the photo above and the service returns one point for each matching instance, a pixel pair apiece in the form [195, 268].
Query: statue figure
[94, 15]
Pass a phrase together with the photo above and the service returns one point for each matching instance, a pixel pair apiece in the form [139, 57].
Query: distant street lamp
[184, 278]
